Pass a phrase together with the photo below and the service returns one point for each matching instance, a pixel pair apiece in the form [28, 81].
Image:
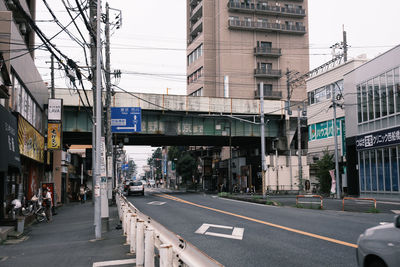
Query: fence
[147, 237]
[358, 204]
[320, 200]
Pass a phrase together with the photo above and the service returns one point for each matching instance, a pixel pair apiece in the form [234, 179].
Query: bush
[323, 166]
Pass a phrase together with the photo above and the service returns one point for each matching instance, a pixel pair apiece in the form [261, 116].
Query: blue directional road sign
[126, 120]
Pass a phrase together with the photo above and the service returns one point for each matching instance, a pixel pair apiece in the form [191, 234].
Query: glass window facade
[379, 170]
[379, 97]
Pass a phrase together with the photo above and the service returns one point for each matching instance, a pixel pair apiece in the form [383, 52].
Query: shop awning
[9, 149]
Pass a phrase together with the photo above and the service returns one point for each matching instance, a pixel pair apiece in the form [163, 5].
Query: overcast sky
[150, 47]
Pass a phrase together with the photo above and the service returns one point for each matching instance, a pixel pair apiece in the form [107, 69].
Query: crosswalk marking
[113, 263]
[396, 211]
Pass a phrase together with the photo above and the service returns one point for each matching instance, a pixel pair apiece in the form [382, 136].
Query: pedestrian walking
[82, 194]
[47, 201]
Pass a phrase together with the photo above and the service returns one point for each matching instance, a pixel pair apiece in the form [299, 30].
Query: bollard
[132, 248]
[139, 243]
[149, 248]
[166, 255]
[128, 227]
[124, 222]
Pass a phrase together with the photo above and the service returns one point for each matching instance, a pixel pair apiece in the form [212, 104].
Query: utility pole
[344, 45]
[338, 195]
[53, 94]
[262, 139]
[108, 104]
[289, 112]
[230, 157]
[299, 148]
[96, 130]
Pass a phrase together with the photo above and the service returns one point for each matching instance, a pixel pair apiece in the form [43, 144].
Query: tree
[324, 165]
[186, 166]
[155, 162]
[132, 167]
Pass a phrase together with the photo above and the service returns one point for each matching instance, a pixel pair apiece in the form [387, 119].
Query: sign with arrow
[126, 120]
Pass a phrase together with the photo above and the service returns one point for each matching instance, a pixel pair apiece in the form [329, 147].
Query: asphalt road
[272, 236]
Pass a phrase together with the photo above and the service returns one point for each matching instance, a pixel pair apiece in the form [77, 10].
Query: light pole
[338, 194]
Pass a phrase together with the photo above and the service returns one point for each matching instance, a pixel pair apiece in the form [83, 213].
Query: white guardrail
[143, 234]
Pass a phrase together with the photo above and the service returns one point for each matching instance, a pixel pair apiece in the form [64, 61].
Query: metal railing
[265, 26]
[261, 72]
[263, 8]
[269, 94]
[267, 51]
[143, 234]
[358, 199]
[321, 200]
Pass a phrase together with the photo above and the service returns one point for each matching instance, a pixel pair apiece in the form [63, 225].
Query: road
[247, 234]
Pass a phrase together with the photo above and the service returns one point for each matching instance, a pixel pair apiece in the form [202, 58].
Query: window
[196, 54]
[377, 98]
[364, 102]
[359, 104]
[397, 88]
[362, 169]
[383, 94]
[390, 91]
[198, 92]
[195, 75]
[370, 101]
[267, 89]
[265, 66]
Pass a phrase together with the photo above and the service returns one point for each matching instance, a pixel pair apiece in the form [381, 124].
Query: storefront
[378, 157]
[10, 164]
[31, 147]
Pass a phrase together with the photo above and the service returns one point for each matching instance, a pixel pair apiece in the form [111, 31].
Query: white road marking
[237, 233]
[383, 223]
[396, 211]
[388, 202]
[157, 203]
[113, 263]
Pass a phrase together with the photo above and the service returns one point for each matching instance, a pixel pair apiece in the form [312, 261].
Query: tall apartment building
[234, 45]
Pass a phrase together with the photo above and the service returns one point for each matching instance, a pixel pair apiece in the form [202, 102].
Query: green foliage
[373, 210]
[323, 166]
[186, 167]
[131, 168]
[223, 194]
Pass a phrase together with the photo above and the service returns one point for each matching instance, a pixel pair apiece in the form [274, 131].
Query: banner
[55, 109]
[9, 155]
[31, 142]
[54, 131]
[378, 139]
[333, 186]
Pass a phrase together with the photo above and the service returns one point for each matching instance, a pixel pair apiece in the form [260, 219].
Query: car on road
[379, 246]
[136, 187]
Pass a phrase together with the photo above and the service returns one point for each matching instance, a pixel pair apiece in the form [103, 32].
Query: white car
[379, 246]
[135, 188]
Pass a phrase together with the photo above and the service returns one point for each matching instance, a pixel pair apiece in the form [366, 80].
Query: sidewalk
[66, 241]
[384, 205]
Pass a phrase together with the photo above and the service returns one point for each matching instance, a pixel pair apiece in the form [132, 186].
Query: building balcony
[194, 3]
[265, 9]
[270, 95]
[265, 27]
[196, 27]
[197, 12]
[267, 73]
[267, 52]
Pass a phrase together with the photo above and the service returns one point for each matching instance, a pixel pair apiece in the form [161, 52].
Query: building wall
[375, 154]
[229, 52]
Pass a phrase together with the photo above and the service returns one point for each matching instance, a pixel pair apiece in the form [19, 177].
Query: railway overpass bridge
[181, 120]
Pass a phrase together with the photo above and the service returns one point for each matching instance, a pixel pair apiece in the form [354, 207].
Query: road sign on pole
[126, 120]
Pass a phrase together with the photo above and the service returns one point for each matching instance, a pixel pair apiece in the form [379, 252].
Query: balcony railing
[267, 73]
[267, 51]
[197, 11]
[276, 95]
[266, 9]
[265, 26]
[196, 26]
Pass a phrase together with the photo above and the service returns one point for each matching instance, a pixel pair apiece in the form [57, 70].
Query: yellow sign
[54, 136]
[31, 142]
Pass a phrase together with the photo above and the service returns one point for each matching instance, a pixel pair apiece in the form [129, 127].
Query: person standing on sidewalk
[82, 193]
[48, 203]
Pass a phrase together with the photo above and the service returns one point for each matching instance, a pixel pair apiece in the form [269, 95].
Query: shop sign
[31, 142]
[379, 139]
[54, 131]
[55, 109]
[323, 129]
[9, 155]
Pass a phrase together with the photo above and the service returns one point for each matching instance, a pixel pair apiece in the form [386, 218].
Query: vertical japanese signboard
[54, 126]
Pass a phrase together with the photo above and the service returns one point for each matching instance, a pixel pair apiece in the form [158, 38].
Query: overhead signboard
[54, 131]
[379, 139]
[126, 120]
[31, 142]
[55, 109]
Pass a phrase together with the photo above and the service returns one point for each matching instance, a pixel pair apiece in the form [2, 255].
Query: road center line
[262, 222]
